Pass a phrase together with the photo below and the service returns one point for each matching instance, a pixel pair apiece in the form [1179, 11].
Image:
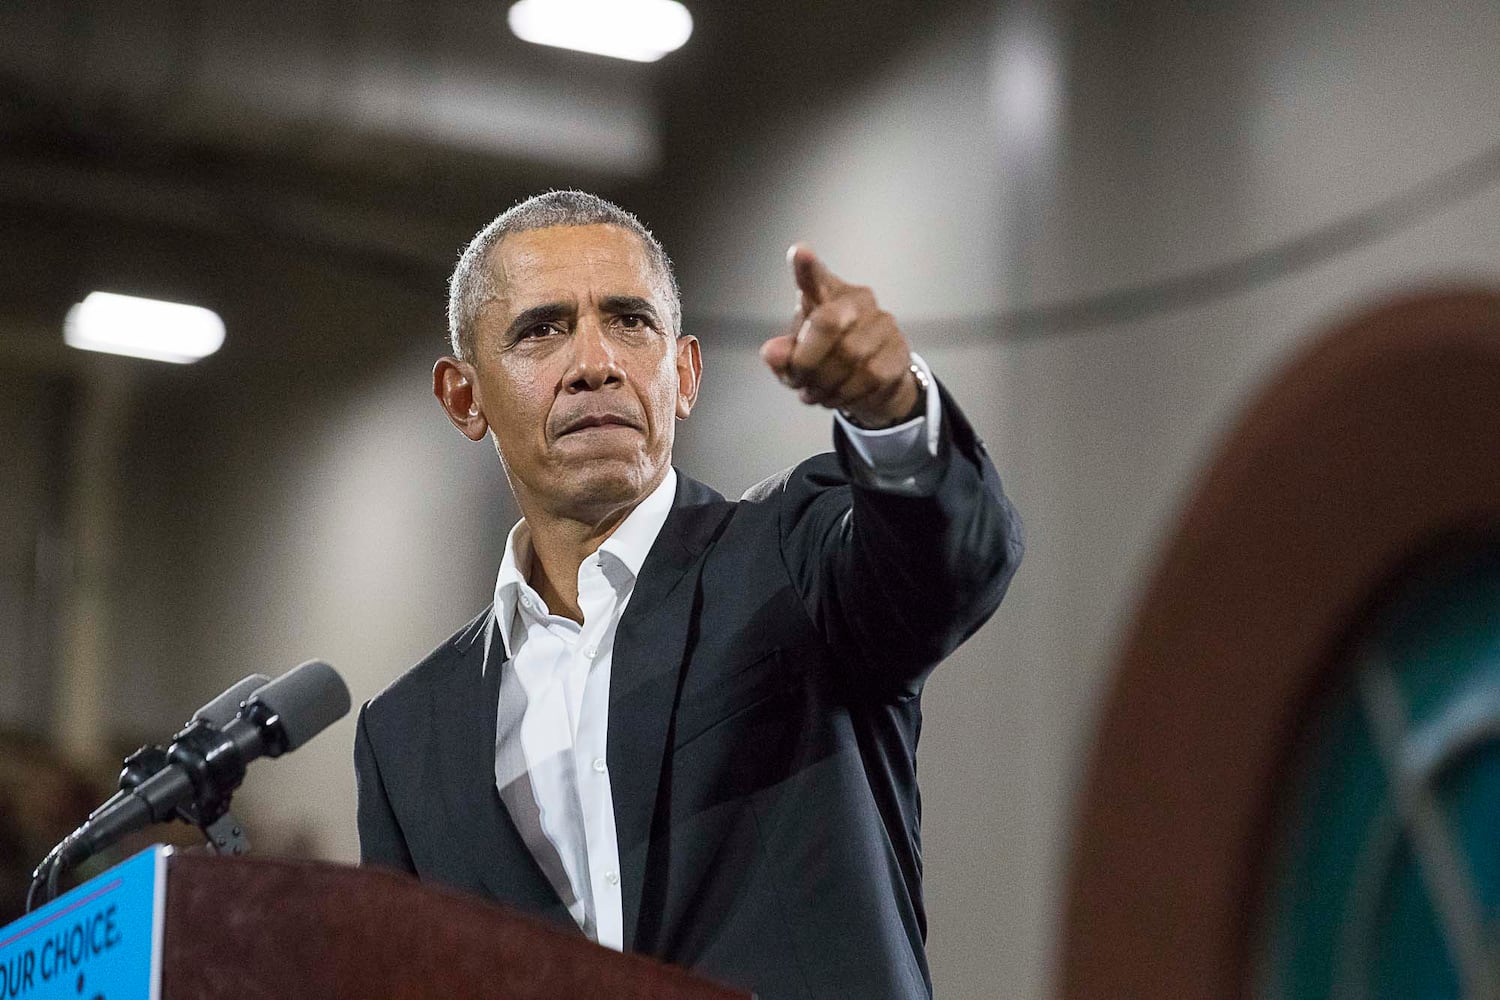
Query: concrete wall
[30, 530]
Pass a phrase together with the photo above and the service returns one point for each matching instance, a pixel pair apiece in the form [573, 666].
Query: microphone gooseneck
[206, 762]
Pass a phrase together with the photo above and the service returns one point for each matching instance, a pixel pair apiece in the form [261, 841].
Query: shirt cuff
[894, 457]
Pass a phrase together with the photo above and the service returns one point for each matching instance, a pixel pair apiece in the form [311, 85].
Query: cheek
[664, 392]
[518, 386]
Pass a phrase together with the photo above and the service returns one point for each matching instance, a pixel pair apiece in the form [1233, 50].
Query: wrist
[907, 403]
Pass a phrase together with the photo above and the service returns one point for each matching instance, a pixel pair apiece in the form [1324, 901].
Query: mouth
[597, 421]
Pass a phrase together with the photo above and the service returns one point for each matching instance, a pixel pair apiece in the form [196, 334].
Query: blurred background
[1102, 224]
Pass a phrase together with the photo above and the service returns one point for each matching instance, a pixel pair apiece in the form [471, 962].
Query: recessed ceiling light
[641, 30]
[143, 328]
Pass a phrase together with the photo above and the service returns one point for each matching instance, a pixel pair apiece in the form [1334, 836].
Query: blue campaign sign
[101, 941]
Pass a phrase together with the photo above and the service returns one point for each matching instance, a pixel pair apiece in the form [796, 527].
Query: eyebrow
[550, 312]
[617, 305]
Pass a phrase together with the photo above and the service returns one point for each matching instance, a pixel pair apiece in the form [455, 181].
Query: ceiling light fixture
[641, 30]
[143, 328]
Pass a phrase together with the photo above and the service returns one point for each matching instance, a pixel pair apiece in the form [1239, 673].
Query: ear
[456, 388]
[689, 374]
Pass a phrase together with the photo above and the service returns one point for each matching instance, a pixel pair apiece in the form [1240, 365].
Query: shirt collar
[632, 540]
[629, 544]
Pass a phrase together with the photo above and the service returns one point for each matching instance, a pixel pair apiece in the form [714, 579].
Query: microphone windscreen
[308, 698]
[226, 706]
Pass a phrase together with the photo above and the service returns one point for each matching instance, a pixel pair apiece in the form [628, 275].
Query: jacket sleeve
[895, 582]
[380, 839]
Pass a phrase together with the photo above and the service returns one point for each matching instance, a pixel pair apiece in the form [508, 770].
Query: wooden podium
[257, 929]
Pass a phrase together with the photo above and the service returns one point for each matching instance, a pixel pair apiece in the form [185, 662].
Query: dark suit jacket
[763, 720]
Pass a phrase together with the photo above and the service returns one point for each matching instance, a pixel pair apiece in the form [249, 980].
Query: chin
[607, 485]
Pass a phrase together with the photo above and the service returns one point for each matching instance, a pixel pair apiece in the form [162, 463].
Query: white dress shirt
[551, 729]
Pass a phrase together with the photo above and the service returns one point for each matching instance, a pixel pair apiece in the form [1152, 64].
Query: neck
[561, 539]
[558, 547]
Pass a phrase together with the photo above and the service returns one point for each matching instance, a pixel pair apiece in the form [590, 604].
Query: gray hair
[473, 282]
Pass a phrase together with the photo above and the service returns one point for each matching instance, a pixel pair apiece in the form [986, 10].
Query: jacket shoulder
[409, 691]
[821, 470]
[768, 487]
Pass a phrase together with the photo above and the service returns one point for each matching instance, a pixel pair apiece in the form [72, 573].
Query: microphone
[226, 706]
[149, 760]
[206, 762]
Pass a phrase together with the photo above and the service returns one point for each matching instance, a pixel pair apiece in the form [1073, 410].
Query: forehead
[564, 263]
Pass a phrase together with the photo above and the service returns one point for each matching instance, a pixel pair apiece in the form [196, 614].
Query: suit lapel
[463, 717]
[649, 650]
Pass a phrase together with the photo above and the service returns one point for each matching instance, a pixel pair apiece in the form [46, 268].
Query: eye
[540, 330]
[634, 321]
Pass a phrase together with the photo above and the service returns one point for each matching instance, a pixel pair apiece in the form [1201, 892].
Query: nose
[595, 364]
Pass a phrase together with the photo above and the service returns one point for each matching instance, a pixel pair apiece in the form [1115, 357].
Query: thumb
[812, 276]
[777, 352]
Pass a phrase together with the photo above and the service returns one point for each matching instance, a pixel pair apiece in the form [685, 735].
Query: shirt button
[599, 764]
[612, 878]
[591, 652]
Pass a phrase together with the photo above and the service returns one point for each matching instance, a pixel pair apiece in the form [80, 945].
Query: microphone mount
[194, 778]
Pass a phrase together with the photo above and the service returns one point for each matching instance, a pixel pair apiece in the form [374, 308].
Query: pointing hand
[842, 350]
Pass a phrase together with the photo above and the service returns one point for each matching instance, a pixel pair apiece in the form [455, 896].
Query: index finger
[817, 283]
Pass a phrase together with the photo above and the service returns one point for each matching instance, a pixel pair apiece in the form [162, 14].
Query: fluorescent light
[143, 328]
[642, 30]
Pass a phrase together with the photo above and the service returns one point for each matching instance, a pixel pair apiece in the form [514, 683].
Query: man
[685, 726]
